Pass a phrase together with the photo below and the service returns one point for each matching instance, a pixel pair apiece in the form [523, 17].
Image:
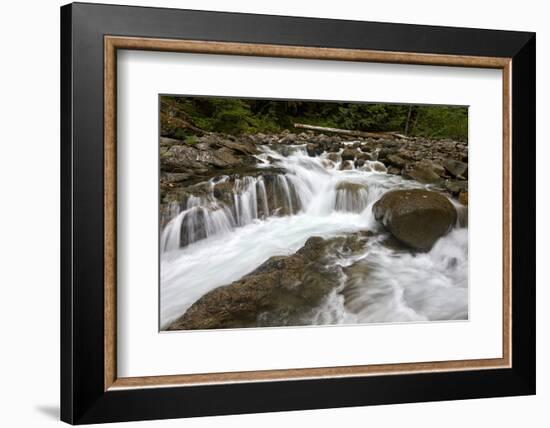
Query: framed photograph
[266, 213]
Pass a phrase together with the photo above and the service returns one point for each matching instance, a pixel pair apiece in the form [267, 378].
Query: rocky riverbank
[441, 163]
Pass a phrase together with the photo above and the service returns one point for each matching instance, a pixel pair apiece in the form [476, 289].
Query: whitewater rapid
[378, 285]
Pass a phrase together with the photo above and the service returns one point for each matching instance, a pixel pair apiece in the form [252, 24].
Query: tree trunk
[350, 132]
[408, 120]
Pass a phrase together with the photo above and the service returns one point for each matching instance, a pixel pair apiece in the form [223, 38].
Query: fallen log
[361, 134]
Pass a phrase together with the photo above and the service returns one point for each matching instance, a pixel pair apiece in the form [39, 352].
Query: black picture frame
[83, 397]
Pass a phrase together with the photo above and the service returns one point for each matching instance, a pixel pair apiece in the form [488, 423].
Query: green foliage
[179, 134]
[237, 116]
[191, 140]
[442, 122]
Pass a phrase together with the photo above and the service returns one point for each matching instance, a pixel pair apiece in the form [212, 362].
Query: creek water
[313, 196]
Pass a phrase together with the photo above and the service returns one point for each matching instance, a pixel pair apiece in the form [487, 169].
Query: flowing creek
[218, 237]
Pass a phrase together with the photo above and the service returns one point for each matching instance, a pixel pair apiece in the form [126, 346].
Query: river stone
[346, 165]
[456, 168]
[378, 167]
[437, 168]
[363, 156]
[391, 143]
[393, 170]
[456, 186]
[279, 292]
[288, 139]
[463, 197]
[416, 217]
[359, 163]
[334, 147]
[384, 152]
[224, 191]
[396, 160]
[424, 171]
[349, 154]
[313, 149]
[334, 157]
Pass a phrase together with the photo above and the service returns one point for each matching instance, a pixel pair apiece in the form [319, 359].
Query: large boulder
[416, 217]
[282, 291]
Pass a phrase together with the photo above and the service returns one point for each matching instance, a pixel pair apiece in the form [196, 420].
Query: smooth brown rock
[416, 217]
[349, 154]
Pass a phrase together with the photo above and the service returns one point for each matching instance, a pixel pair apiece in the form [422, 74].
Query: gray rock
[346, 165]
[456, 168]
[396, 160]
[349, 154]
[313, 149]
[335, 157]
[456, 186]
[423, 171]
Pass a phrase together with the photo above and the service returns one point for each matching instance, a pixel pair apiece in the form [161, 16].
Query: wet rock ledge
[282, 291]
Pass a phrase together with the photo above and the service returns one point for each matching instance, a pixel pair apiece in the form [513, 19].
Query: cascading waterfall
[307, 186]
[206, 216]
[352, 200]
[202, 218]
[218, 237]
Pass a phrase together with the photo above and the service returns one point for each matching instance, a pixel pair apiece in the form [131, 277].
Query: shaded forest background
[183, 117]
